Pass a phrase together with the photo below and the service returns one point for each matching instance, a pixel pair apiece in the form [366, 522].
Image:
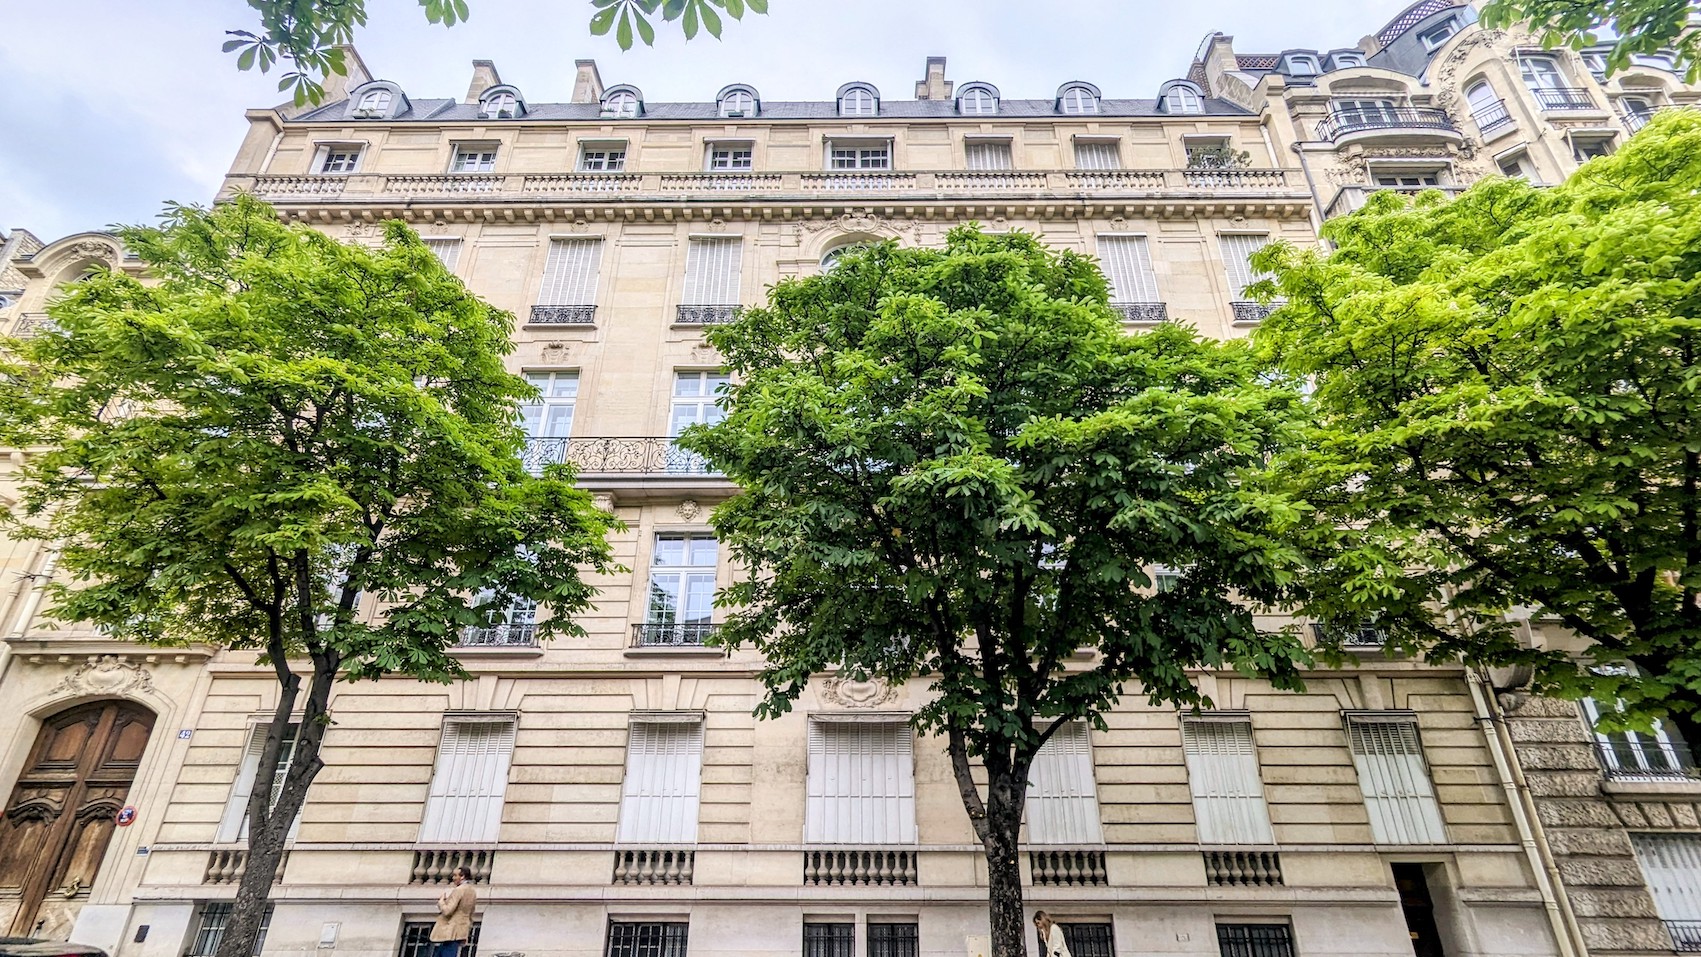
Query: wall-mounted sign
[127, 816]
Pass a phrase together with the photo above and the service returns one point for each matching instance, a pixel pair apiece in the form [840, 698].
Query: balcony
[32, 324]
[1492, 119]
[1228, 868]
[1645, 758]
[647, 455]
[562, 315]
[651, 866]
[1349, 636]
[690, 634]
[1564, 99]
[1685, 935]
[499, 636]
[1252, 312]
[1067, 867]
[1142, 313]
[705, 315]
[1388, 122]
[859, 867]
[1350, 198]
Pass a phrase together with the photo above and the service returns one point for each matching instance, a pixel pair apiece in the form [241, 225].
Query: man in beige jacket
[455, 915]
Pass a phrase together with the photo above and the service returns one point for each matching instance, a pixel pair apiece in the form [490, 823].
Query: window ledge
[497, 652]
[688, 651]
[1676, 787]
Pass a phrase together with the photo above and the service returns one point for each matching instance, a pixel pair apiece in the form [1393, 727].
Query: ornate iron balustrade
[32, 324]
[436, 865]
[1246, 311]
[860, 867]
[1491, 116]
[699, 314]
[689, 634]
[1243, 868]
[1561, 98]
[1647, 759]
[1685, 935]
[1068, 867]
[1344, 122]
[1350, 636]
[654, 865]
[1142, 312]
[648, 455]
[227, 865]
[499, 636]
[580, 315]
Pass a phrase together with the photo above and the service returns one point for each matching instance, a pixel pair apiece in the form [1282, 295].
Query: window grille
[1089, 940]
[1254, 940]
[660, 792]
[464, 805]
[215, 917]
[893, 940]
[646, 939]
[416, 940]
[829, 940]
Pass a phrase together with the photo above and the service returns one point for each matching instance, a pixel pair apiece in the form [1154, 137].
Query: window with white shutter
[1127, 262]
[570, 273]
[470, 781]
[664, 774]
[988, 154]
[1395, 781]
[1237, 261]
[861, 787]
[712, 271]
[1063, 801]
[446, 248]
[1222, 773]
[1672, 865]
[1098, 154]
[233, 826]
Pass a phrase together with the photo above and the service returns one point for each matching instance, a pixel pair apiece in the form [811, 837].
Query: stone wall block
[1630, 815]
[1521, 706]
[1617, 936]
[1557, 813]
[1683, 815]
[1657, 814]
[1592, 840]
[1600, 872]
[1572, 784]
[1566, 730]
[1558, 757]
[1612, 902]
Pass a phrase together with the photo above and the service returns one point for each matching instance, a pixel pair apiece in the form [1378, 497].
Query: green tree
[1631, 26]
[957, 467]
[308, 34]
[1509, 397]
[233, 456]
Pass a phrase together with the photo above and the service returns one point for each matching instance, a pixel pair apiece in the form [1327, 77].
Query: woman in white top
[1051, 939]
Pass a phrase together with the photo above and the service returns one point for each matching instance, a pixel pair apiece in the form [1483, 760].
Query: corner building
[613, 794]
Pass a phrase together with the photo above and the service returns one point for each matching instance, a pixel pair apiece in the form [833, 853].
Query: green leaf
[734, 8]
[246, 60]
[603, 20]
[760, 6]
[230, 45]
[673, 9]
[646, 32]
[711, 19]
[690, 23]
[623, 35]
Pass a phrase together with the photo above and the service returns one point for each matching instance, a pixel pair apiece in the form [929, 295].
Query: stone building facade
[613, 793]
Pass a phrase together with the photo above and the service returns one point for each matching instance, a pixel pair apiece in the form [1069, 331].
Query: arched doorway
[62, 810]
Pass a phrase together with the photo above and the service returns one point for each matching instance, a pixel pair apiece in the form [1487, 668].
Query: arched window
[977, 101]
[1302, 64]
[376, 101]
[1343, 61]
[738, 103]
[830, 258]
[500, 106]
[858, 101]
[1182, 99]
[1486, 107]
[620, 104]
[1078, 98]
[1541, 73]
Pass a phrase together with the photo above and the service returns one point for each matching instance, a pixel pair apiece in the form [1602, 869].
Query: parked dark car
[31, 947]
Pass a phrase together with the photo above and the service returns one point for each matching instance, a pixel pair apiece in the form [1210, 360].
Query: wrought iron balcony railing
[1344, 122]
[1562, 98]
[1647, 759]
[647, 455]
[688, 634]
[32, 324]
[563, 315]
[1246, 311]
[1685, 935]
[1142, 312]
[499, 636]
[705, 315]
[1350, 636]
[1491, 117]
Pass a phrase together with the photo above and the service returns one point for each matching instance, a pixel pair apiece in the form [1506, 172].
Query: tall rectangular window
[682, 588]
[464, 805]
[861, 787]
[550, 415]
[1254, 940]
[712, 269]
[215, 918]
[447, 249]
[1089, 940]
[1222, 773]
[893, 939]
[1063, 802]
[1661, 753]
[570, 273]
[1672, 865]
[851, 156]
[646, 938]
[1098, 154]
[416, 940]
[339, 159]
[696, 400]
[602, 159]
[233, 826]
[1127, 264]
[731, 157]
[1391, 773]
[988, 154]
[474, 159]
[1237, 260]
[829, 940]
[664, 773]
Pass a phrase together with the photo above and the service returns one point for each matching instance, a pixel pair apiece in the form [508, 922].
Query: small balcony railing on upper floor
[506, 635]
[671, 634]
[702, 314]
[621, 455]
[1350, 635]
[1352, 196]
[1646, 758]
[1685, 935]
[1142, 313]
[1492, 118]
[1398, 118]
[32, 324]
[1559, 99]
[1246, 311]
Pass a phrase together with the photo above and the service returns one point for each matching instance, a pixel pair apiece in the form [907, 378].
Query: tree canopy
[956, 466]
[233, 454]
[1631, 26]
[1509, 401]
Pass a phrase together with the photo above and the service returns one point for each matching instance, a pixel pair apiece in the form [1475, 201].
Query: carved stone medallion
[105, 675]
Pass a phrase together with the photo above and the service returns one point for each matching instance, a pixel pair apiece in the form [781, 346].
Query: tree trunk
[1004, 869]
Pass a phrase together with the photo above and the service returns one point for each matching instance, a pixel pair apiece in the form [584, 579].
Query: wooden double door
[64, 808]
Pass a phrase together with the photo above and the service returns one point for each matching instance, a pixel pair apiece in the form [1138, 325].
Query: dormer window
[1434, 37]
[1343, 61]
[622, 103]
[1596, 63]
[738, 101]
[501, 103]
[375, 101]
[859, 99]
[1303, 64]
[977, 99]
[1076, 99]
[1181, 97]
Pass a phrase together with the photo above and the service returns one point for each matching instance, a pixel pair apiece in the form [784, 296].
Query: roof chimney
[484, 77]
[935, 87]
[587, 85]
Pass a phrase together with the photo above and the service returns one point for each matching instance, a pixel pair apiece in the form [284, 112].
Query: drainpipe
[1555, 901]
[1311, 184]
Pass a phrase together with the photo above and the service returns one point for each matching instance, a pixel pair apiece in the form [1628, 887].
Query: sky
[110, 108]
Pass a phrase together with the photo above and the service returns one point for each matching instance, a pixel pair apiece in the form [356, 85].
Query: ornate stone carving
[94, 250]
[689, 510]
[105, 675]
[717, 225]
[580, 226]
[852, 692]
[863, 222]
[703, 352]
[603, 501]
